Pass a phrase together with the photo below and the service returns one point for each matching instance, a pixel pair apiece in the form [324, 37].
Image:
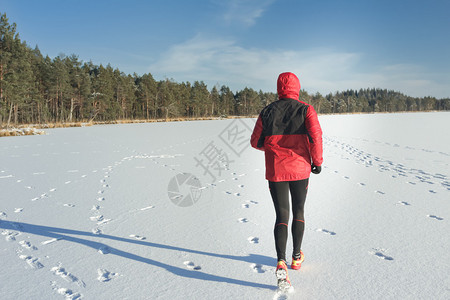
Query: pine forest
[36, 89]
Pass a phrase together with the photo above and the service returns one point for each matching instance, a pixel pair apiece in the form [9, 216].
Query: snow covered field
[135, 212]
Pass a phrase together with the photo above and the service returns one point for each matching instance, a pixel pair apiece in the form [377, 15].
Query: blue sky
[331, 45]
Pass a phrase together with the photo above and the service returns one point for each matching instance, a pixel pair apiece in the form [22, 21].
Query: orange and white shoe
[282, 276]
[297, 263]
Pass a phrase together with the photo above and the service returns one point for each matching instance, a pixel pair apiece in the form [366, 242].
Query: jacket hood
[288, 86]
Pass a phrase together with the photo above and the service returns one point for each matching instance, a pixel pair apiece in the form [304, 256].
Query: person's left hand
[316, 169]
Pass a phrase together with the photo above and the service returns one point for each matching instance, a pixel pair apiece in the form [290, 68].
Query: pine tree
[146, 91]
[227, 99]
[215, 101]
[7, 37]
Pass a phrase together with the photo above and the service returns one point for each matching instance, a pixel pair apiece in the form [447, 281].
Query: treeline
[38, 89]
[373, 100]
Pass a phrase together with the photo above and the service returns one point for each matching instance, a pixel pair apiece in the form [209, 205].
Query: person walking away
[289, 133]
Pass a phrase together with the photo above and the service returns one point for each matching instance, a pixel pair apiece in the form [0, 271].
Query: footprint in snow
[191, 266]
[27, 245]
[104, 250]
[362, 184]
[97, 218]
[18, 210]
[257, 268]
[381, 255]
[138, 237]
[440, 176]
[253, 240]
[245, 205]
[103, 221]
[97, 231]
[33, 262]
[380, 192]
[10, 235]
[105, 275]
[404, 203]
[326, 231]
[435, 217]
[68, 293]
[100, 199]
[69, 205]
[243, 220]
[67, 276]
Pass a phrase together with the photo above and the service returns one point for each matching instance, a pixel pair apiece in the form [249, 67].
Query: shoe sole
[281, 274]
[283, 284]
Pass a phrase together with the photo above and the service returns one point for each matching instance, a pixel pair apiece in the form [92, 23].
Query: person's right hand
[316, 169]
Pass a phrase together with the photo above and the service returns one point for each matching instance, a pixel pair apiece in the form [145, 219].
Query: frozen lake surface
[182, 211]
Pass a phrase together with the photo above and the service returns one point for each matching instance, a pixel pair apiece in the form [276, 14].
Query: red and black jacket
[289, 133]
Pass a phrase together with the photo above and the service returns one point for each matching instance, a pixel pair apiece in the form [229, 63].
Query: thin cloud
[216, 60]
[244, 12]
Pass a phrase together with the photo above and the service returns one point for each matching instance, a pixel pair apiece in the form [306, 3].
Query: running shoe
[297, 262]
[282, 275]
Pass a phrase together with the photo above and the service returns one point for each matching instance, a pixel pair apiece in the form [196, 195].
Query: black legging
[280, 196]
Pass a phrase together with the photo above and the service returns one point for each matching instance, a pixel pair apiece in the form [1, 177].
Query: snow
[20, 131]
[134, 212]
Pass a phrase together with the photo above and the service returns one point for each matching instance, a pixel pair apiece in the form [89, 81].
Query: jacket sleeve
[256, 135]
[315, 134]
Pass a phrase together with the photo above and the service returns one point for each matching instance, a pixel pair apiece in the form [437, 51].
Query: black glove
[316, 169]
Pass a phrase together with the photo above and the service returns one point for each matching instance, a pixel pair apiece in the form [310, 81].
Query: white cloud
[244, 12]
[216, 60]
[412, 80]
